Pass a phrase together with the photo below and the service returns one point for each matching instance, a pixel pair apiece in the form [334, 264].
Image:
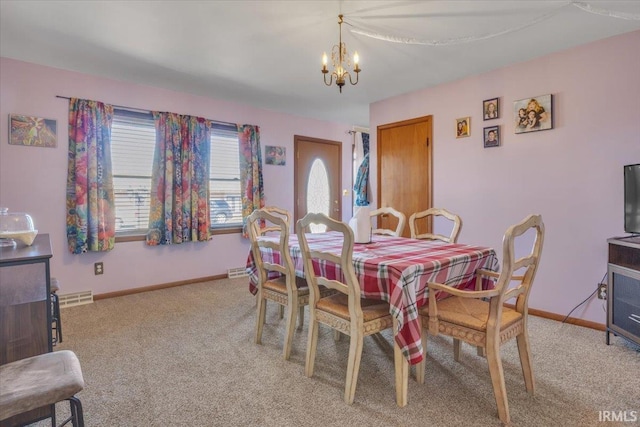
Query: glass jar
[16, 226]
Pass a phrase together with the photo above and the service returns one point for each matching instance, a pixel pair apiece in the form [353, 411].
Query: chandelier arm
[330, 79]
[351, 80]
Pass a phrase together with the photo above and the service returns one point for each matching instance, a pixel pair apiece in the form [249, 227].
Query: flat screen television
[632, 199]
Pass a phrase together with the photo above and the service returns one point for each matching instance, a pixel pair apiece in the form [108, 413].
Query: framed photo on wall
[275, 155]
[32, 131]
[491, 136]
[491, 109]
[533, 114]
[463, 127]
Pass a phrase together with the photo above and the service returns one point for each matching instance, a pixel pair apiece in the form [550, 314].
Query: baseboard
[532, 311]
[156, 287]
[560, 318]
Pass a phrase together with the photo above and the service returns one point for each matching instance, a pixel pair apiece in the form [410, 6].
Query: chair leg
[353, 366]
[481, 351]
[292, 313]
[420, 367]
[76, 415]
[524, 349]
[497, 380]
[281, 311]
[301, 318]
[260, 318]
[312, 341]
[76, 412]
[456, 349]
[401, 367]
[336, 335]
[56, 315]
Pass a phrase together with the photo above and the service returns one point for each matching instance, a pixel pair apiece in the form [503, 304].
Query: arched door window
[318, 200]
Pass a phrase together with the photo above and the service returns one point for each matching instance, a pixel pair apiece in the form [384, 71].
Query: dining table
[395, 270]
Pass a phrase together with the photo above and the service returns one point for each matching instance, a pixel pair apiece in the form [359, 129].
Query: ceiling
[268, 53]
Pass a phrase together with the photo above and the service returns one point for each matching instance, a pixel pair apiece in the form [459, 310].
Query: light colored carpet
[185, 356]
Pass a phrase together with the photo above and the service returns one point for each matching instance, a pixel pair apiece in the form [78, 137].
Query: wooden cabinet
[623, 295]
[25, 309]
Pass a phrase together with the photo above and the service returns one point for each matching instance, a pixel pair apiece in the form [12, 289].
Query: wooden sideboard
[25, 310]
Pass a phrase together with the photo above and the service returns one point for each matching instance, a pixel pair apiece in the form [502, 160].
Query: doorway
[405, 168]
[317, 177]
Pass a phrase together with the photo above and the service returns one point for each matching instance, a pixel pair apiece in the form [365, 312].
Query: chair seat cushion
[280, 285]
[471, 313]
[338, 305]
[38, 381]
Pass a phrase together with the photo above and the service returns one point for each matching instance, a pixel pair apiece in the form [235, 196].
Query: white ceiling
[268, 53]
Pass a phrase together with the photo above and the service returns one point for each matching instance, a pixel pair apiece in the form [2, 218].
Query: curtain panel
[90, 206]
[361, 183]
[250, 172]
[179, 207]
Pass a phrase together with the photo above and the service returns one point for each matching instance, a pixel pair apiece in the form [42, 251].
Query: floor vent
[78, 298]
[237, 272]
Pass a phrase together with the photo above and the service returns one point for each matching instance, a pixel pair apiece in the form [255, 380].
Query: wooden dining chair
[415, 218]
[344, 311]
[385, 212]
[262, 228]
[481, 318]
[277, 282]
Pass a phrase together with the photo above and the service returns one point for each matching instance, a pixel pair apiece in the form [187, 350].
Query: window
[225, 201]
[133, 140]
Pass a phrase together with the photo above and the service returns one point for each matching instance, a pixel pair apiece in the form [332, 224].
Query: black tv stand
[623, 294]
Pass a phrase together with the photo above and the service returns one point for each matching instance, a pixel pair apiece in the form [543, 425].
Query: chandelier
[340, 61]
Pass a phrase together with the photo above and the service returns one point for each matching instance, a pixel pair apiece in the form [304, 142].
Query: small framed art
[491, 109]
[491, 136]
[533, 114]
[463, 127]
[33, 131]
[276, 155]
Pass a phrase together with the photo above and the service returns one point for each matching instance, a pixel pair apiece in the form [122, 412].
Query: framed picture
[533, 114]
[463, 127]
[34, 131]
[276, 155]
[491, 109]
[491, 136]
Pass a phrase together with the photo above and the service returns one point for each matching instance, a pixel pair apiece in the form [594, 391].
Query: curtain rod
[121, 107]
[140, 110]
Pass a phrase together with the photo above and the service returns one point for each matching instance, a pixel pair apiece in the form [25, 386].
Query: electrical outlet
[602, 291]
[98, 268]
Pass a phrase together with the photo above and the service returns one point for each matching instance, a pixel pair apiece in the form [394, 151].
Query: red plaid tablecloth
[396, 270]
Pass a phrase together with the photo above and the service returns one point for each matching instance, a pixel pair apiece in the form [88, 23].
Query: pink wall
[33, 179]
[572, 174]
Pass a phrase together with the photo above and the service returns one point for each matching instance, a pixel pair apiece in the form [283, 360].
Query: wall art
[533, 114]
[33, 131]
[463, 127]
[276, 155]
[491, 136]
[491, 109]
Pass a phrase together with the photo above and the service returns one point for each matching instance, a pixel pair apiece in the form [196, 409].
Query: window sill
[140, 235]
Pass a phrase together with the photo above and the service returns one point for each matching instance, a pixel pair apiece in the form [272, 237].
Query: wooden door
[404, 168]
[317, 177]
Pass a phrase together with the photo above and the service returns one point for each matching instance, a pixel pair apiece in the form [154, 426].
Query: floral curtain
[91, 218]
[179, 210]
[250, 172]
[361, 183]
